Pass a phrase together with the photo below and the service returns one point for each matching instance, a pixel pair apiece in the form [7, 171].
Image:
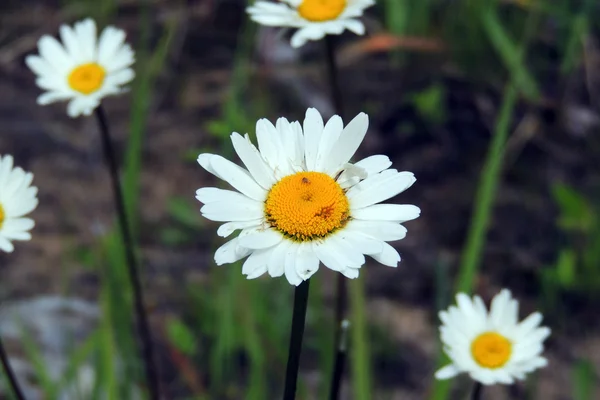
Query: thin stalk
[486, 191]
[132, 267]
[361, 358]
[10, 374]
[332, 75]
[298, 321]
[476, 393]
[341, 285]
[336, 379]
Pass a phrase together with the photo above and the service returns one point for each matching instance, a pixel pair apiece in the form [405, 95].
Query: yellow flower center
[2, 215]
[307, 206]
[321, 10]
[87, 78]
[491, 350]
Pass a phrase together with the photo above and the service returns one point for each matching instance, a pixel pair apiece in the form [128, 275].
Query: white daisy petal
[256, 264]
[6, 245]
[39, 65]
[124, 58]
[276, 264]
[223, 212]
[209, 195]
[262, 239]
[52, 97]
[331, 132]
[388, 212]
[528, 325]
[313, 129]
[326, 252]
[253, 161]
[373, 190]
[447, 372]
[269, 142]
[238, 177]
[307, 262]
[86, 33]
[54, 54]
[499, 308]
[388, 256]
[374, 164]
[350, 273]
[351, 137]
[290, 140]
[362, 242]
[382, 230]
[355, 26]
[230, 227]
[119, 78]
[71, 42]
[290, 266]
[110, 42]
[230, 252]
[303, 35]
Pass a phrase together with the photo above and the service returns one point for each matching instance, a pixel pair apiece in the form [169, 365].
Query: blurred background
[440, 79]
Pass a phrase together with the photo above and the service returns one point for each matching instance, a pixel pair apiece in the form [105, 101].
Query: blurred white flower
[313, 18]
[300, 202]
[491, 347]
[83, 69]
[17, 198]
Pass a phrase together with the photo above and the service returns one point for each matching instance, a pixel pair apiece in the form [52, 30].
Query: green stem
[361, 360]
[297, 333]
[486, 191]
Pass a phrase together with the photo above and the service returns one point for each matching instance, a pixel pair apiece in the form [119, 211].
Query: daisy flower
[300, 202]
[313, 18]
[17, 198]
[491, 347]
[83, 69]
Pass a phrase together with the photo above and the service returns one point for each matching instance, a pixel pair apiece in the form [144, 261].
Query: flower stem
[477, 389]
[486, 191]
[10, 374]
[298, 320]
[332, 72]
[341, 289]
[340, 355]
[341, 349]
[132, 267]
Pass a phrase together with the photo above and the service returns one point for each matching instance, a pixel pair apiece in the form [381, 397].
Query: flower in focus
[491, 347]
[313, 18]
[300, 202]
[17, 198]
[83, 69]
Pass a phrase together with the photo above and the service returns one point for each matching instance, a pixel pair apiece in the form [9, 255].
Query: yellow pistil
[2, 215]
[307, 206]
[321, 10]
[87, 78]
[491, 350]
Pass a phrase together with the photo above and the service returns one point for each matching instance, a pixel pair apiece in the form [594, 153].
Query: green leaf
[511, 54]
[185, 212]
[583, 377]
[40, 368]
[566, 268]
[428, 102]
[181, 337]
[576, 212]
